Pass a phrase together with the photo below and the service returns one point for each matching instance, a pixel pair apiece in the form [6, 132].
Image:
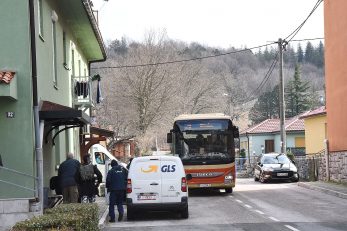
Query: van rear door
[171, 173]
[146, 180]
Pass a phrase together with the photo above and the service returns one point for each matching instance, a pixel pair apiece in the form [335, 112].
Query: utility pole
[281, 44]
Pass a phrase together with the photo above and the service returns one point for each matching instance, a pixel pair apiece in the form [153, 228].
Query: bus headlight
[228, 179]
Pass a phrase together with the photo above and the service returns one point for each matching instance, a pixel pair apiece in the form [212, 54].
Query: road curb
[324, 190]
[101, 223]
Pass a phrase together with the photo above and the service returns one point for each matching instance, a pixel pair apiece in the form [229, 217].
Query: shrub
[64, 217]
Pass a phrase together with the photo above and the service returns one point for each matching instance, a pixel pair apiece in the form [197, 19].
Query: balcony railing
[82, 90]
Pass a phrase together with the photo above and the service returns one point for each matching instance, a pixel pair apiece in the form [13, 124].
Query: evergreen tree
[289, 56]
[266, 107]
[309, 53]
[320, 55]
[296, 95]
[300, 54]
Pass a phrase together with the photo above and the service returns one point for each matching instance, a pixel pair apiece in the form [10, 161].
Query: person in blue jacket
[116, 184]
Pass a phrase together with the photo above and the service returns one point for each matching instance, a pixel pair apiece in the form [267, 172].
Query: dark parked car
[274, 166]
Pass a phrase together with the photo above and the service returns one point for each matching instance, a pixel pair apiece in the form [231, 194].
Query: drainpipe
[249, 156]
[38, 126]
[327, 162]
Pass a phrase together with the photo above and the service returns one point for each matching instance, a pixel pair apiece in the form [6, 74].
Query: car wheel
[261, 178]
[229, 190]
[256, 178]
[185, 213]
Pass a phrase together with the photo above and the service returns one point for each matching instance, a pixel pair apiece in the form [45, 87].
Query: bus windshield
[204, 142]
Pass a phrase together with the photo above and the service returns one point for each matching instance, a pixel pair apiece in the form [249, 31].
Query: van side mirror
[169, 138]
[236, 132]
[189, 176]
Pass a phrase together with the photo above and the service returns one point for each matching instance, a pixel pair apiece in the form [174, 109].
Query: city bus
[205, 144]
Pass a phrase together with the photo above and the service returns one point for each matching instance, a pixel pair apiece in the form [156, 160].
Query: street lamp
[229, 105]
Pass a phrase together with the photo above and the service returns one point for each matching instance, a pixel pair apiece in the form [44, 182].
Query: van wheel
[229, 190]
[185, 213]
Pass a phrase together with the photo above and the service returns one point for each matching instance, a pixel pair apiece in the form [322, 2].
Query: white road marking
[274, 219]
[291, 228]
[231, 196]
[248, 206]
[239, 201]
[258, 211]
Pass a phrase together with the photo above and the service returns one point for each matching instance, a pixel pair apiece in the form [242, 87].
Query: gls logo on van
[164, 168]
[168, 168]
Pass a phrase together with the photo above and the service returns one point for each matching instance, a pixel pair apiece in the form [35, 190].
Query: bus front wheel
[229, 190]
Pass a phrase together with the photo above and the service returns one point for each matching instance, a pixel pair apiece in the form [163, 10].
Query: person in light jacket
[116, 184]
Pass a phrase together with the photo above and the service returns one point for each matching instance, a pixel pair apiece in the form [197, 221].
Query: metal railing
[19, 173]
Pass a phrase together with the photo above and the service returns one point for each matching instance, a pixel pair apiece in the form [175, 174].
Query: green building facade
[66, 41]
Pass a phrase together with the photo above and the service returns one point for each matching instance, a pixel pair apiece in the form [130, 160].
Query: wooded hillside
[144, 100]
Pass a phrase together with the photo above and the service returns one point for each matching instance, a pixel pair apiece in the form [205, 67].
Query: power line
[295, 32]
[265, 79]
[292, 35]
[185, 60]
[311, 39]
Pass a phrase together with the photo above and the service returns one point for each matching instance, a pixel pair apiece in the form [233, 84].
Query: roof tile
[273, 125]
[6, 76]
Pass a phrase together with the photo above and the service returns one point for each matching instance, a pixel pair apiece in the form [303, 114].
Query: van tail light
[184, 184]
[129, 186]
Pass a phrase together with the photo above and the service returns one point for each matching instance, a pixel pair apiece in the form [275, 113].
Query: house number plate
[10, 114]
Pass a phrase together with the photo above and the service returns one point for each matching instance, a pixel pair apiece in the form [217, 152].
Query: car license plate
[282, 174]
[205, 185]
[146, 197]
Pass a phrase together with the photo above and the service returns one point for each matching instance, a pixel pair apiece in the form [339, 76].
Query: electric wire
[265, 79]
[296, 31]
[291, 36]
[185, 60]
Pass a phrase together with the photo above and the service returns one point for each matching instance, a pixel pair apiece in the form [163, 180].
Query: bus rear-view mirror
[169, 138]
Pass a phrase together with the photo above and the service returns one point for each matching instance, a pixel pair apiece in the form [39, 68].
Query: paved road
[252, 206]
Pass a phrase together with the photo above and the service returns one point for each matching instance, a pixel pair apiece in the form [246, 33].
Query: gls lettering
[168, 168]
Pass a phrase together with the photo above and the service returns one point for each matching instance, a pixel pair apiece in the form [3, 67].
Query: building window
[54, 38]
[73, 62]
[40, 16]
[64, 50]
[299, 142]
[79, 68]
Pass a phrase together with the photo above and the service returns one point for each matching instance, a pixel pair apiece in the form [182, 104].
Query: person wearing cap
[116, 186]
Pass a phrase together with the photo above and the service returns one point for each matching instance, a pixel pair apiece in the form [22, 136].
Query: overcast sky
[218, 23]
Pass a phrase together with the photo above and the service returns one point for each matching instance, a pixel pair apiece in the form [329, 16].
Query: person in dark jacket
[89, 178]
[116, 185]
[66, 175]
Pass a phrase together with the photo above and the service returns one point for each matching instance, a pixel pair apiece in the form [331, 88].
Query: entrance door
[269, 146]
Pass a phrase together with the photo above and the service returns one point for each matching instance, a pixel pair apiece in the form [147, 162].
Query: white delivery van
[157, 183]
[100, 157]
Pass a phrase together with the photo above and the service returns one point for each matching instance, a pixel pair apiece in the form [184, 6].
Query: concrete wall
[335, 34]
[16, 134]
[314, 167]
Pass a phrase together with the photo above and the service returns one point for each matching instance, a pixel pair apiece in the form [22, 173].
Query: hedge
[64, 217]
